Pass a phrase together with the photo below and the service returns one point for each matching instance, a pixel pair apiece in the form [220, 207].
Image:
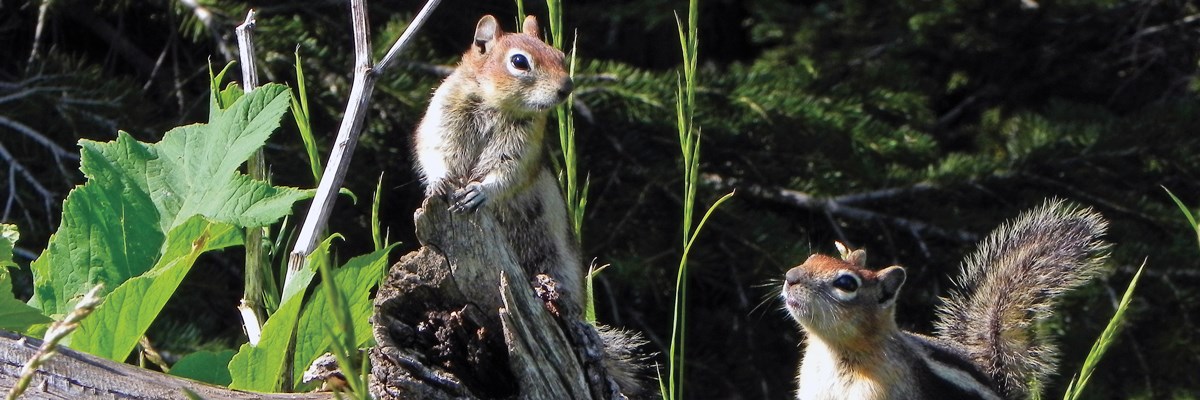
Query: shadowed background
[909, 128]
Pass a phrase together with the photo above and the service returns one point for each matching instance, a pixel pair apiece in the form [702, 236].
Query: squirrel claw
[468, 198]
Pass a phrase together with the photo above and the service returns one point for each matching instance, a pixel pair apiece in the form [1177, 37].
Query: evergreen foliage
[926, 122]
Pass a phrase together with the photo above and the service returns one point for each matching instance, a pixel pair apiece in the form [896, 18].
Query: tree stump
[460, 319]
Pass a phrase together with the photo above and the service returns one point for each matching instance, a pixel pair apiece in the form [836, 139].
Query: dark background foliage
[914, 127]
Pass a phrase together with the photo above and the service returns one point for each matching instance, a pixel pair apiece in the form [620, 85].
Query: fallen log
[74, 375]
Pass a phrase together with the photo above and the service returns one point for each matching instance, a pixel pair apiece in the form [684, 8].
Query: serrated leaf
[260, 368]
[355, 279]
[114, 226]
[113, 330]
[205, 366]
[97, 241]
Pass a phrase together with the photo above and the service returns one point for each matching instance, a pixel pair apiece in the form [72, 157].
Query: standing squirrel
[480, 143]
[987, 344]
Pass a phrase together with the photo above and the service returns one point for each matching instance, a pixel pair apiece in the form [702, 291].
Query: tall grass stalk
[1079, 382]
[301, 115]
[689, 145]
[568, 175]
[574, 193]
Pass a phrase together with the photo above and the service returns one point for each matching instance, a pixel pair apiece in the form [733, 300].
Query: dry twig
[351, 127]
[836, 208]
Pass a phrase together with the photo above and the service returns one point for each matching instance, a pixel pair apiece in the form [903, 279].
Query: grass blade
[1075, 388]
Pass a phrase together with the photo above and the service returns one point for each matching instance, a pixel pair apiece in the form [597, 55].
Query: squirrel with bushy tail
[480, 145]
[987, 344]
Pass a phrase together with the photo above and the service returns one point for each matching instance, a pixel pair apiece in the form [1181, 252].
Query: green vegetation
[907, 128]
[1106, 340]
[1187, 213]
[15, 315]
[689, 145]
[146, 214]
[574, 194]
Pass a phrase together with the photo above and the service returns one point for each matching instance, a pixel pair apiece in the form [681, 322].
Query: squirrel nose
[793, 276]
[565, 88]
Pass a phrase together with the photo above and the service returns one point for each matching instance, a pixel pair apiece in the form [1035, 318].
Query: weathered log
[74, 375]
[460, 319]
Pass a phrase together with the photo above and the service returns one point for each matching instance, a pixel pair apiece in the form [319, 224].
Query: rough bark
[459, 319]
[74, 375]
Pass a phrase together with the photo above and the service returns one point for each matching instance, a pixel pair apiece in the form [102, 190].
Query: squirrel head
[841, 301]
[516, 72]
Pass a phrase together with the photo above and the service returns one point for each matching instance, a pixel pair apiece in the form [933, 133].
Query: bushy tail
[1013, 281]
[623, 359]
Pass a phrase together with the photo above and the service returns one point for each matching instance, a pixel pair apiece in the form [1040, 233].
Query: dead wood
[459, 319]
[74, 375]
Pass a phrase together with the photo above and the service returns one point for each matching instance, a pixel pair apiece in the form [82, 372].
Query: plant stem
[256, 263]
[689, 145]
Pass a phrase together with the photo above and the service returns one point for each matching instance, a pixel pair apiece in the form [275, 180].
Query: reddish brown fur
[823, 265]
[862, 322]
[492, 66]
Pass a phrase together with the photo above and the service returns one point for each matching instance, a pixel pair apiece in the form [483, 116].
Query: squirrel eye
[519, 62]
[846, 282]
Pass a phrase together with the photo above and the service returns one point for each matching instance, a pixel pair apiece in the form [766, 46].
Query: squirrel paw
[468, 198]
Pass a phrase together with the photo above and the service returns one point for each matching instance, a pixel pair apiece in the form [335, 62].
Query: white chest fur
[820, 378]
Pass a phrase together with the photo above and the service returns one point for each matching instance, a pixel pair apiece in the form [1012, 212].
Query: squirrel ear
[890, 281]
[857, 257]
[485, 32]
[531, 27]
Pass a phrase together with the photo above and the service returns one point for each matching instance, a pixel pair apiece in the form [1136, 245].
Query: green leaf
[109, 230]
[8, 239]
[589, 302]
[15, 315]
[376, 237]
[114, 328]
[217, 99]
[301, 115]
[114, 226]
[1186, 213]
[205, 366]
[260, 368]
[355, 279]
[1183, 208]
